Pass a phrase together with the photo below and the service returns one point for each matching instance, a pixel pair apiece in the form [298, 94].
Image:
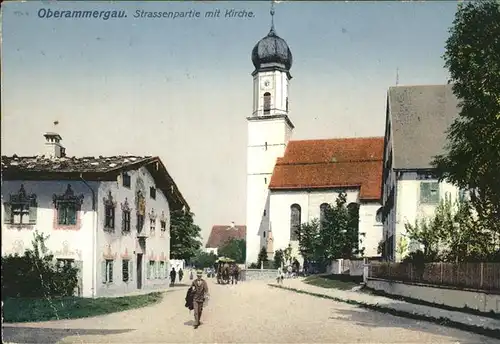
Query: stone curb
[485, 331]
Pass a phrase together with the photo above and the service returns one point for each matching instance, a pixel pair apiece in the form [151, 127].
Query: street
[249, 312]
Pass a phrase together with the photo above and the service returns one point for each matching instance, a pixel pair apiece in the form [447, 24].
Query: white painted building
[274, 202]
[108, 215]
[416, 122]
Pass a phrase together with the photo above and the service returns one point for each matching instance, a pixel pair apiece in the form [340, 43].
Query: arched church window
[378, 217]
[267, 103]
[322, 212]
[294, 221]
[353, 210]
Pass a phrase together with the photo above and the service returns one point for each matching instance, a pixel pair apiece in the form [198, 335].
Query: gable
[420, 117]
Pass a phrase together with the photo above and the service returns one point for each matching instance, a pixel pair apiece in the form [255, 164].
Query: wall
[450, 297]
[124, 246]
[372, 230]
[310, 202]
[260, 165]
[259, 274]
[408, 207]
[72, 243]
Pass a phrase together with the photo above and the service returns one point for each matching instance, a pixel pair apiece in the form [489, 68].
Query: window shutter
[33, 213]
[103, 271]
[130, 269]
[61, 209]
[7, 213]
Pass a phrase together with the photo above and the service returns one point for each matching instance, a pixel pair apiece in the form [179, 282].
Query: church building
[289, 182]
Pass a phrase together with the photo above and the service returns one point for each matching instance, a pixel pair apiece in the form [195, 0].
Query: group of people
[174, 274]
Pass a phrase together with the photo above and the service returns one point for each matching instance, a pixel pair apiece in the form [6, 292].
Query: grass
[466, 309]
[342, 282]
[36, 309]
[494, 333]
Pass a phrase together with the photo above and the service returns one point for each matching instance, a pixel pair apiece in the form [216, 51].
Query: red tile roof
[222, 233]
[315, 164]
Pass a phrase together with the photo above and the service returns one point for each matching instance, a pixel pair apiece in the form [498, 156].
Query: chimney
[53, 147]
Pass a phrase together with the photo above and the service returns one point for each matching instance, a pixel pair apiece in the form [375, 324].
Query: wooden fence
[484, 276]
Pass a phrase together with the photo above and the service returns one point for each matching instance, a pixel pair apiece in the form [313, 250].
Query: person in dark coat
[172, 276]
[200, 295]
[181, 274]
[190, 299]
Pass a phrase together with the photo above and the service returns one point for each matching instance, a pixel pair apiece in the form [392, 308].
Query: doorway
[139, 271]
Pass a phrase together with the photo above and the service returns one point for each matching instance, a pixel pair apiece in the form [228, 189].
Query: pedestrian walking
[181, 274]
[200, 295]
[279, 277]
[172, 276]
[191, 274]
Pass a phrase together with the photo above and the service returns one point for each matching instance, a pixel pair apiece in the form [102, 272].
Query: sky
[181, 88]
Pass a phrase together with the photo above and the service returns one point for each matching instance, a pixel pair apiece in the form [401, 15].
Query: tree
[472, 158]
[278, 258]
[262, 257]
[337, 236]
[185, 237]
[36, 273]
[453, 234]
[203, 259]
[234, 249]
[309, 240]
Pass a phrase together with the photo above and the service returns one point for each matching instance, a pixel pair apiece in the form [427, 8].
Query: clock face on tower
[266, 84]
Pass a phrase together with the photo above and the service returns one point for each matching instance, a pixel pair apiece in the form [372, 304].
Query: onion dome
[272, 50]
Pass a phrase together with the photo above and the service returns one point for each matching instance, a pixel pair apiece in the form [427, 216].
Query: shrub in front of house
[37, 274]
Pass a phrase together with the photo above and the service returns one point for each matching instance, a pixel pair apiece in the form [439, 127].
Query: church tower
[269, 130]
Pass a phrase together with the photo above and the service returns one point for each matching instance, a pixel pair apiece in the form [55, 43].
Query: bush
[36, 273]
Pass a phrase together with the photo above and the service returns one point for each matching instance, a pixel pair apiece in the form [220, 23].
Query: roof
[222, 233]
[420, 117]
[91, 169]
[331, 163]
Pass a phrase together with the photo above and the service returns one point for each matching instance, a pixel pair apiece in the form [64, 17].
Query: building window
[21, 208]
[295, 221]
[67, 207]
[265, 212]
[140, 223]
[126, 180]
[378, 216]
[265, 180]
[163, 225]
[64, 263]
[125, 270]
[322, 213]
[265, 145]
[125, 216]
[107, 270]
[162, 270]
[267, 103]
[429, 192]
[151, 269]
[152, 221]
[109, 212]
[462, 195]
[286, 104]
[264, 234]
[152, 192]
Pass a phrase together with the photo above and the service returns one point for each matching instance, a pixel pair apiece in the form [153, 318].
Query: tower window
[267, 103]
[286, 104]
[265, 145]
[265, 180]
[265, 213]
